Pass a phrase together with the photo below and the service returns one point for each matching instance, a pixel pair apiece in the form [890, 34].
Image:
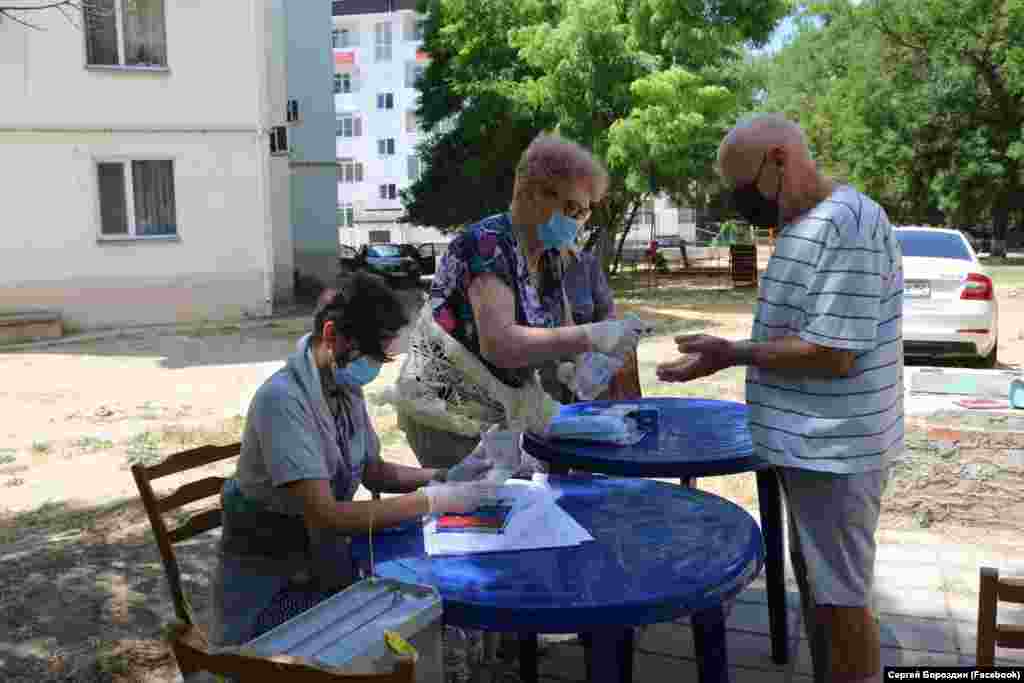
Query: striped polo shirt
[835, 279]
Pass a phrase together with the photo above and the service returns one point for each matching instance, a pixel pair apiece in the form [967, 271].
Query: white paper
[536, 522]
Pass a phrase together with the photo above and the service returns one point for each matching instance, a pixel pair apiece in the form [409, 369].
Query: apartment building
[378, 57]
[147, 156]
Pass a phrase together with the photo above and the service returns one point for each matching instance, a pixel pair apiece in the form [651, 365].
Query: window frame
[357, 171]
[119, 28]
[129, 200]
[347, 213]
[388, 191]
[386, 147]
[388, 101]
[353, 124]
[378, 44]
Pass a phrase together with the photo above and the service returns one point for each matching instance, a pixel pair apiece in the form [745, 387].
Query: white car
[949, 303]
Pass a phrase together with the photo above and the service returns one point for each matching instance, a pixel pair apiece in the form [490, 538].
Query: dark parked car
[404, 262]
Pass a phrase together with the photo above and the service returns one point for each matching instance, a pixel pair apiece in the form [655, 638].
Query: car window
[933, 244]
[383, 251]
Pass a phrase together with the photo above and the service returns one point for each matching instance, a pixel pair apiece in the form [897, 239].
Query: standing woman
[497, 312]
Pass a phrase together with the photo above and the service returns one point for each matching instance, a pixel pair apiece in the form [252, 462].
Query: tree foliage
[919, 102]
[647, 85]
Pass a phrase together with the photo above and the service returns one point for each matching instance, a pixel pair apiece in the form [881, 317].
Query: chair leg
[988, 595]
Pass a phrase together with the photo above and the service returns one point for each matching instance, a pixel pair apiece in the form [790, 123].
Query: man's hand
[704, 355]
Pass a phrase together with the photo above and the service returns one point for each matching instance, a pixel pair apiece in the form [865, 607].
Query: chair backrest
[991, 633]
[191, 492]
[191, 649]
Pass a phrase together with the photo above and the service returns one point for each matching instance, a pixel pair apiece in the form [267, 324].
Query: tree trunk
[1000, 222]
[625, 231]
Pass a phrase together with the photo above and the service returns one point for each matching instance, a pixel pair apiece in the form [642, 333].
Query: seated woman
[497, 312]
[308, 445]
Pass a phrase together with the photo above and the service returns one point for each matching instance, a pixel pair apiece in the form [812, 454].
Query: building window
[278, 140]
[343, 38]
[125, 33]
[382, 42]
[137, 198]
[389, 191]
[413, 72]
[292, 114]
[414, 167]
[379, 236]
[350, 171]
[412, 124]
[385, 147]
[343, 83]
[385, 100]
[346, 215]
[349, 126]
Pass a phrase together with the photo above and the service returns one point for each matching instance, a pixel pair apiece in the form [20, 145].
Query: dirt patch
[83, 595]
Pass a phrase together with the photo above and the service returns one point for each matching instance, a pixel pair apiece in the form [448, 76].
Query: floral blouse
[490, 246]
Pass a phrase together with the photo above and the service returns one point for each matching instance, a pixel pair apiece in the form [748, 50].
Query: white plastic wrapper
[590, 375]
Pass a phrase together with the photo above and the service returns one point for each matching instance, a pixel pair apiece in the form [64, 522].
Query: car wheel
[991, 359]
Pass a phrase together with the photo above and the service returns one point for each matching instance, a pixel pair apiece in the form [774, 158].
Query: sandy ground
[83, 593]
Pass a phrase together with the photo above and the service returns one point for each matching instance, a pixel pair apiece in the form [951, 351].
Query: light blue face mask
[359, 372]
[559, 231]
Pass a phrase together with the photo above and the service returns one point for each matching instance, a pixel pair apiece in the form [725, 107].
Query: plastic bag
[590, 375]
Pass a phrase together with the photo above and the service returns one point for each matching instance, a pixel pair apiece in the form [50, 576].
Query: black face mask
[754, 206]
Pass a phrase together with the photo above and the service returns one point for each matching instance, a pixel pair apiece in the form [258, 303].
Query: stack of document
[530, 519]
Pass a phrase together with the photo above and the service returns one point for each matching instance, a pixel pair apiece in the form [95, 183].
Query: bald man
[824, 379]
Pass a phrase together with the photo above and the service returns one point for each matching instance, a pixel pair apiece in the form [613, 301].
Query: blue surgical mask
[559, 231]
[359, 372]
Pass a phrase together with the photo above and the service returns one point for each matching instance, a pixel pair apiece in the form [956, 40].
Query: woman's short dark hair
[364, 308]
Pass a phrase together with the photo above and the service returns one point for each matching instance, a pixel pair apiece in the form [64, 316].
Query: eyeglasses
[571, 207]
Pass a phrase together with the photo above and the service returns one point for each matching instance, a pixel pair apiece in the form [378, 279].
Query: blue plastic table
[694, 438]
[660, 552]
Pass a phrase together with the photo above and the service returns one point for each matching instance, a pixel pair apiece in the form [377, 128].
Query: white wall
[214, 52]
[51, 257]
[314, 172]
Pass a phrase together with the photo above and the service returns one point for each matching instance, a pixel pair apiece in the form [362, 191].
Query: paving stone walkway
[926, 597]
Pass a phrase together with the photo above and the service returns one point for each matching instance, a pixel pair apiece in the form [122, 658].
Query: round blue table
[660, 552]
[693, 438]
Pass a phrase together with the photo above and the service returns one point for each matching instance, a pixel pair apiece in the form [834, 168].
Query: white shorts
[832, 523]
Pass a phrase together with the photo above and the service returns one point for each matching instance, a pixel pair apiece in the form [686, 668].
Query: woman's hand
[614, 337]
[472, 468]
[459, 497]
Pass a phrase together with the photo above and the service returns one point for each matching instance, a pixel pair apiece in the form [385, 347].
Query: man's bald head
[743, 149]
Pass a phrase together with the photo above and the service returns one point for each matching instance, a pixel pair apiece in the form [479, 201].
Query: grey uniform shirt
[291, 435]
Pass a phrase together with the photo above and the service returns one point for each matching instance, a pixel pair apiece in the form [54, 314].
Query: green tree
[596, 71]
[916, 101]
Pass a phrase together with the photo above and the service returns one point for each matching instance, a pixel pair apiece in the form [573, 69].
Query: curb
[115, 332]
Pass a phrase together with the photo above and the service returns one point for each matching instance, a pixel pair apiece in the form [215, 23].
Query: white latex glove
[614, 337]
[471, 468]
[458, 497]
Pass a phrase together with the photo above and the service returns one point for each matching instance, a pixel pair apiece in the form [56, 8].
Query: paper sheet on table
[536, 522]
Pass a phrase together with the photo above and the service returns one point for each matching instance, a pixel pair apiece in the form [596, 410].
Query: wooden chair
[990, 633]
[188, 641]
[189, 493]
